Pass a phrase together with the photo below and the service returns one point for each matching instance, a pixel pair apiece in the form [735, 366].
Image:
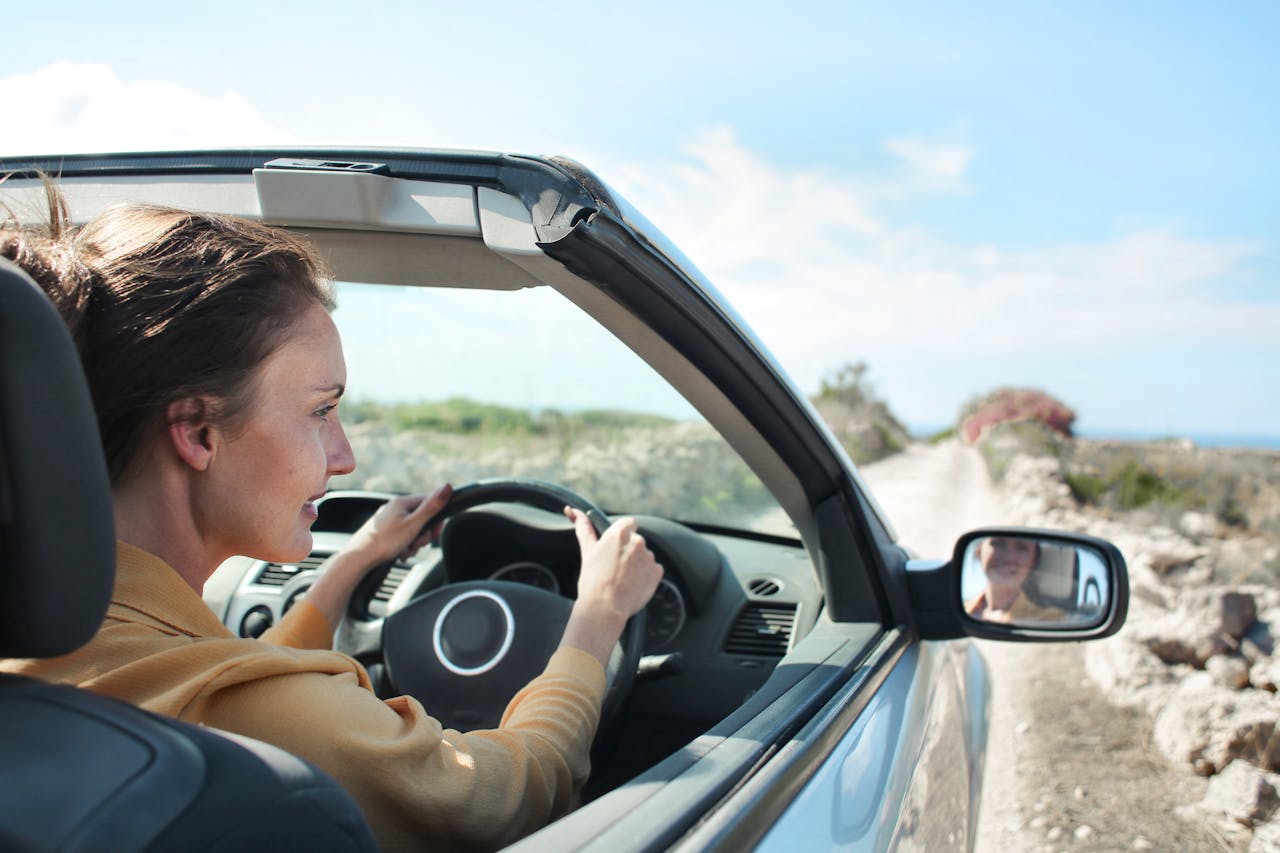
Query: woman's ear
[190, 431]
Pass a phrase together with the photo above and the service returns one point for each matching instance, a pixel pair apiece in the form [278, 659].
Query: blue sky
[1080, 197]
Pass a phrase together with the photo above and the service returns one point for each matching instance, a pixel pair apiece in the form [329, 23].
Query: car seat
[1055, 582]
[80, 771]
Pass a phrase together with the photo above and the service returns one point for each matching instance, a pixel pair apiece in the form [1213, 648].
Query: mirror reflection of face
[1007, 561]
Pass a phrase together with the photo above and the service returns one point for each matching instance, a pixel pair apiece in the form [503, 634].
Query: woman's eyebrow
[337, 389]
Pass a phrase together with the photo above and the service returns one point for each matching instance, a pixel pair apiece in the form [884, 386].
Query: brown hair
[166, 304]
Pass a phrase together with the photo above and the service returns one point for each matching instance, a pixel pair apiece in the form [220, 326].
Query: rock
[1242, 793]
[1083, 832]
[1237, 613]
[1265, 675]
[1055, 833]
[1141, 843]
[1230, 672]
[1207, 726]
[1130, 674]
[1266, 838]
[1198, 525]
[1166, 563]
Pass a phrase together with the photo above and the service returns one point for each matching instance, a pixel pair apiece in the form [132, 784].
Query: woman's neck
[155, 517]
[1002, 597]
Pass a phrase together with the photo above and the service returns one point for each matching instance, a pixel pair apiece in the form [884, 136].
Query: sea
[1245, 441]
[1242, 441]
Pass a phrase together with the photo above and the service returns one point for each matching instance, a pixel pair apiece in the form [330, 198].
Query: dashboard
[728, 609]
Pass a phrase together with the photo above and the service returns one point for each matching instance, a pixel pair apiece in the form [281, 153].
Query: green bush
[1086, 488]
[1001, 442]
[1129, 484]
[858, 418]
[462, 416]
[941, 436]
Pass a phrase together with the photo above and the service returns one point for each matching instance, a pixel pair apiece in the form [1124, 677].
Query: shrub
[860, 421]
[1001, 442]
[1128, 483]
[1014, 404]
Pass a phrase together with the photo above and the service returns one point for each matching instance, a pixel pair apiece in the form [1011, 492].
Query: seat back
[80, 771]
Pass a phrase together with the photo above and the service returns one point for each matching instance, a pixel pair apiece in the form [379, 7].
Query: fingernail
[442, 491]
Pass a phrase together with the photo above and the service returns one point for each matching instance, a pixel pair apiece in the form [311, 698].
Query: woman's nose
[342, 459]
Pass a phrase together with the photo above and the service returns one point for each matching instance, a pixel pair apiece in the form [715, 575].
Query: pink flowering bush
[1015, 404]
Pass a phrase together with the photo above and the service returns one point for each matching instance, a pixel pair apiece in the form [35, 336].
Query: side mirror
[1014, 583]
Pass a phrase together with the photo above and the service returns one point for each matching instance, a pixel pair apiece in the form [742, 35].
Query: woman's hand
[619, 575]
[395, 530]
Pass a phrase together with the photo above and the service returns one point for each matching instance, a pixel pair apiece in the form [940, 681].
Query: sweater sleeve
[303, 627]
[421, 786]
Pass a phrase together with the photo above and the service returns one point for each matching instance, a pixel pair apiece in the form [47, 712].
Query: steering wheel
[463, 650]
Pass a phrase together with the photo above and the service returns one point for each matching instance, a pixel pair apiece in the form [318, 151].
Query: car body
[805, 683]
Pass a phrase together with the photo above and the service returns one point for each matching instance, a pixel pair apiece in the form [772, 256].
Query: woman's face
[265, 476]
[1007, 561]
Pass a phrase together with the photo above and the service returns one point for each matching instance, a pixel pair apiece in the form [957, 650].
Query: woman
[1007, 562]
[216, 374]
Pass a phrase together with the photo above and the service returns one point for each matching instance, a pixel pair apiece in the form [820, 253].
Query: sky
[1080, 197]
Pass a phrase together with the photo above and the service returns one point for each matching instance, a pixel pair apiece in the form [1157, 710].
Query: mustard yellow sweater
[419, 786]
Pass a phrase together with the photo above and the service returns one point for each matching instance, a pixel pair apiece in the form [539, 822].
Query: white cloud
[825, 278]
[76, 107]
[932, 158]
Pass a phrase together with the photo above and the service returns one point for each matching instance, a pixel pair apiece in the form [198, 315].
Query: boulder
[1228, 671]
[1237, 612]
[1130, 674]
[1243, 793]
[1266, 838]
[1265, 674]
[1208, 726]
[1198, 525]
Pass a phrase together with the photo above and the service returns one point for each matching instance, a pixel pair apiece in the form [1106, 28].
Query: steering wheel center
[473, 632]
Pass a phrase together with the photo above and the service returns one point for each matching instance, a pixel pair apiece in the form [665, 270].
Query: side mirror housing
[1021, 584]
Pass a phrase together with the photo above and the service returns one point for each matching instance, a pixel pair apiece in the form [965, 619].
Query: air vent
[391, 583]
[764, 587]
[762, 629]
[279, 574]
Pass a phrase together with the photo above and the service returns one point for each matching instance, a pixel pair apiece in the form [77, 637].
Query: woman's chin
[297, 549]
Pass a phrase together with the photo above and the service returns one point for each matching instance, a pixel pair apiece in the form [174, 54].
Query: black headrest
[57, 537]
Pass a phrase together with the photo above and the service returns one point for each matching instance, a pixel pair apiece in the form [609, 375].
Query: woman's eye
[325, 410]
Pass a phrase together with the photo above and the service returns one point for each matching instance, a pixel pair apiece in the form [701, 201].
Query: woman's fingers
[619, 571]
[582, 527]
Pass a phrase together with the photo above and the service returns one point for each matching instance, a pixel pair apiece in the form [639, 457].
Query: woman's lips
[310, 509]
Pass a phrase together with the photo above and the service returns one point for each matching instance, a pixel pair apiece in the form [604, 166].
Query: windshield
[454, 384]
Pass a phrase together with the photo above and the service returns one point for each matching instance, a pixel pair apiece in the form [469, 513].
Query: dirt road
[1066, 769]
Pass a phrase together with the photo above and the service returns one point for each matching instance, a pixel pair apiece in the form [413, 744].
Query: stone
[1230, 672]
[1083, 832]
[1198, 525]
[1208, 726]
[1237, 613]
[1265, 675]
[1166, 563]
[1241, 792]
[1266, 838]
